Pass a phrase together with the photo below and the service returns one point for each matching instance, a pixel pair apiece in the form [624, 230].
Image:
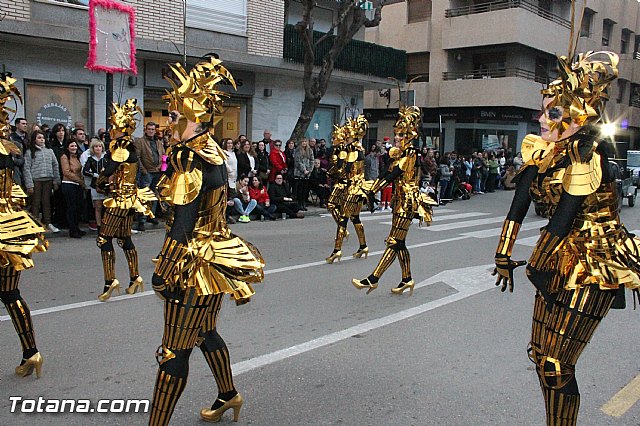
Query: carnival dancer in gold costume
[125, 200]
[201, 259]
[348, 195]
[584, 257]
[20, 235]
[408, 202]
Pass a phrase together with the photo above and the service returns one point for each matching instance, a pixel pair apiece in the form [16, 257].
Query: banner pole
[109, 102]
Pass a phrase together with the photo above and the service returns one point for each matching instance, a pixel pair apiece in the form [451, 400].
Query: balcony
[520, 22]
[358, 56]
[501, 87]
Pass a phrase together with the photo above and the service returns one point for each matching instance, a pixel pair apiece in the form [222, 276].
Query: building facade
[44, 44]
[479, 65]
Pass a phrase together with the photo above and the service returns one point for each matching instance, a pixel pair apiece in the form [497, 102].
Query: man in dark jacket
[19, 138]
[150, 151]
[280, 196]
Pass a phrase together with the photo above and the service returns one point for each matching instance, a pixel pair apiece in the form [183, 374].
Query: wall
[265, 27]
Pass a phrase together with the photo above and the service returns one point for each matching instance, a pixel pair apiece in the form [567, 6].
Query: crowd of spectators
[267, 179]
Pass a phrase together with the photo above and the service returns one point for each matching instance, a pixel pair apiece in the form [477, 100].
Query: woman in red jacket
[259, 193]
[278, 161]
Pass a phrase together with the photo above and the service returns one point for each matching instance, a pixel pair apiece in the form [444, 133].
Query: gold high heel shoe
[115, 285]
[408, 285]
[361, 252]
[210, 415]
[26, 369]
[133, 286]
[360, 284]
[334, 256]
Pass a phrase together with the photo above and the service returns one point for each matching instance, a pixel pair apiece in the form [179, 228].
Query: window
[634, 96]
[408, 97]
[624, 41]
[636, 47]
[587, 21]
[51, 103]
[84, 3]
[418, 66]
[418, 11]
[621, 86]
[607, 29]
[225, 16]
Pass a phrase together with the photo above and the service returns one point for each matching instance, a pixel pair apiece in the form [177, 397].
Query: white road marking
[624, 399]
[268, 272]
[529, 241]
[465, 224]
[494, 232]
[467, 281]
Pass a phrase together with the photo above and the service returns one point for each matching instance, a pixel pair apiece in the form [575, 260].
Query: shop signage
[154, 73]
[433, 115]
[53, 113]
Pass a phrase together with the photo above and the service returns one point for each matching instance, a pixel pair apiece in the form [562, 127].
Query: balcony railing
[496, 73]
[358, 56]
[492, 6]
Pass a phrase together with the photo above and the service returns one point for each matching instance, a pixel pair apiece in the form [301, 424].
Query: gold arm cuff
[508, 236]
[546, 247]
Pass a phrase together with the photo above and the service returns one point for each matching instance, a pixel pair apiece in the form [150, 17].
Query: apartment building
[44, 44]
[480, 65]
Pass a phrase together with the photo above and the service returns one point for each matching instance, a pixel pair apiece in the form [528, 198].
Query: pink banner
[112, 32]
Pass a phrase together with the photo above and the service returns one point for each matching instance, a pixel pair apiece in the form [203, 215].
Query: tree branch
[377, 15]
[341, 17]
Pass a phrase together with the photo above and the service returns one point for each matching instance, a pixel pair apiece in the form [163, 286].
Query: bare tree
[351, 18]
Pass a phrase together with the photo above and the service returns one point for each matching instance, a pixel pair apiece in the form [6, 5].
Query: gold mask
[407, 125]
[123, 124]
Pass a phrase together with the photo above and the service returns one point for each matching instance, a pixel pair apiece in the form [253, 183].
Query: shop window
[229, 16]
[321, 124]
[607, 29]
[624, 40]
[418, 11]
[587, 23]
[418, 66]
[47, 103]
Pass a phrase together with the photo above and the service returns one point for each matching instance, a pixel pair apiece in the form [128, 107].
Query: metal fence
[492, 6]
[358, 56]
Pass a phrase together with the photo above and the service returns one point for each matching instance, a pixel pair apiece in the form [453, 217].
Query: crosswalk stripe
[494, 232]
[465, 224]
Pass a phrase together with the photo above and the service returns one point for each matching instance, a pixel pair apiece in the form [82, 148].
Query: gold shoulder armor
[532, 147]
[186, 181]
[584, 175]
[342, 155]
[352, 156]
[406, 163]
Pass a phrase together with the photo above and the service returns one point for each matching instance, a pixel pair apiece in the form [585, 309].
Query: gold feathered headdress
[123, 124]
[356, 128]
[581, 89]
[407, 125]
[8, 91]
[338, 134]
[194, 94]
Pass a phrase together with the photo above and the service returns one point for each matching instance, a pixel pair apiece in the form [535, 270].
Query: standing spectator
[79, 135]
[278, 161]
[242, 201]
[30, 129]
[41, 176]
[258, 192]
[446, 172]
[47, 132]
[371, 164]
[468, 168]
[485, 170]
[280, 196]
[92, 169]
[319, 183]
[232, 165]
[303, 165]
[288, 153]
[268, 142]
[322, 148]
[150, 151]
[246, 159]
[58, 141]
[262, 163]
[19, 138]
[313, 144]
[517, 161]
[72, 187]
[494, 171]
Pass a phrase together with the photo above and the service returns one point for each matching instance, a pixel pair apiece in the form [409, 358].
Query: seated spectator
[280, 195]
[507, 179]
[259, 193]
[242, 201]
[319, 183]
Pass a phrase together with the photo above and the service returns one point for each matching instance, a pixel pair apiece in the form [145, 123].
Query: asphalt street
[310, 348]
